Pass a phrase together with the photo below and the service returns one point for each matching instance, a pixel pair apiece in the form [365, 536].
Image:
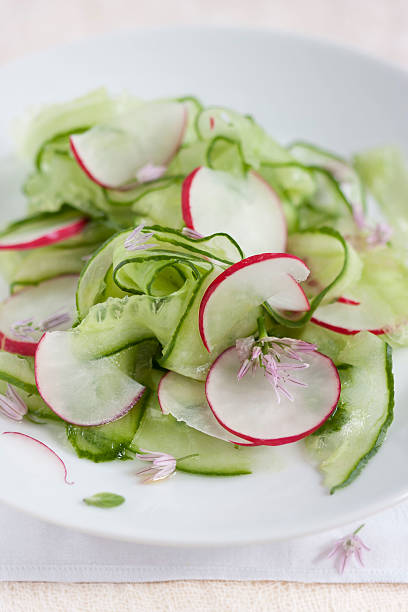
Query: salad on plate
[185, 290]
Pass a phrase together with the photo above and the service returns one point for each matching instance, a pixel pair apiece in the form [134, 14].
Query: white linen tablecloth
[32, 550]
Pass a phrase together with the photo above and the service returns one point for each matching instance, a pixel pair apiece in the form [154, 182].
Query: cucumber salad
[184, 289]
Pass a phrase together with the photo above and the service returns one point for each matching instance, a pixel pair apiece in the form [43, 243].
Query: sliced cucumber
[317, 299]
[184, 398]
[35, 129]
[40, 265]
[158, 432]
[350, 182]
[325, 256]
[60, 182]
[32, 400]
[91, 284]
[106, 442]
[257, 146]
[348, 440]
[220, 247]
[377, 302]
[18, 371]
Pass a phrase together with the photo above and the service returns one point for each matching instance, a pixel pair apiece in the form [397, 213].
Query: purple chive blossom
[375, 235]
[163, 466]
[11, 405]
[268, 353]
[150, 172]
[359, 218]
[347, 547]
[190, 233]
[55, 320]
[380, 234]
[136, 241]
[27, 329]
[24, 329]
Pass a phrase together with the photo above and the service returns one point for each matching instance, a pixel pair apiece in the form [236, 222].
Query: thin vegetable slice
[115, 154]
[250, 408]
[184, 398]
[240, 289]
[247, 208]
[84, 392]
[352, 436]
[26, 315]
[40, 231]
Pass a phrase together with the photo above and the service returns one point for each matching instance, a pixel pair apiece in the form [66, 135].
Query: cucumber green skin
[158, 432]
[355, 458]
[362, 462]
[106, 442]
[316, 301]
[18, 371]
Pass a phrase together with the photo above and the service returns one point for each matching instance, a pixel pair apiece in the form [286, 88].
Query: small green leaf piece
[104, 500]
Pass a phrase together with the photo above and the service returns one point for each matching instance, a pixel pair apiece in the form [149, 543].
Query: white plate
[297, 88]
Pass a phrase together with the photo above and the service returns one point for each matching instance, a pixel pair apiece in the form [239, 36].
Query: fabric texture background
[377, 26]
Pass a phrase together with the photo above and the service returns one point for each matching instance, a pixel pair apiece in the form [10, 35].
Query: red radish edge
[118, 416]
[185, 200]
[130, 185]
[344, 331]
[212, 123]
[47, 239]
[166, 413]
[228, 272]
[285, 223]
[158, 392]
[82, 165]
[277, 441]
[19, 433]
[307, 303]
[19, 347]
[344, 300]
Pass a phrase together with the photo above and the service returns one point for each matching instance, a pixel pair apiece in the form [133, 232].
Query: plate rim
[321, 43]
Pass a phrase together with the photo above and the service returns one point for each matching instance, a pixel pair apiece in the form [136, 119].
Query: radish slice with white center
[82, 392]
[39, 234]
[184, 398]
[247, 208]
[237, 291]
[148, 137]
[43, 446]
[249, 407]
[26, 315]
[349, 317]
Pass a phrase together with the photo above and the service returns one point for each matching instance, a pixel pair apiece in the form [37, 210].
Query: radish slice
[344, 300]
[38, 234]
[350, 317]
[271, 277]
[112, 155]
[26, 315]
[184, 398]
[45, 447]
[249, 408]
[82, 392]
[246, 208]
